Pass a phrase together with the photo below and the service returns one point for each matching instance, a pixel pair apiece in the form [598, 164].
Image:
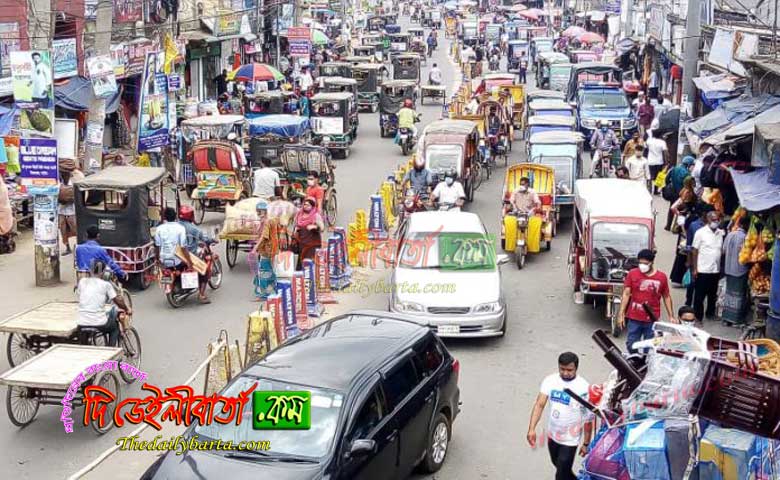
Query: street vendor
[525, 199]
[308, 230]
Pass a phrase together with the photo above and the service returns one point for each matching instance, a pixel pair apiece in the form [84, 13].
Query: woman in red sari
[308, 230]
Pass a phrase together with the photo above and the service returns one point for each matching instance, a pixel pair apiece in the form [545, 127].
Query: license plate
[189, 280]
[166, 280]
[448, 329]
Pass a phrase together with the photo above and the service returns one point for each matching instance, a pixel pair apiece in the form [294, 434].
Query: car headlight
[588, 123]
[409, 307]
[487, 307]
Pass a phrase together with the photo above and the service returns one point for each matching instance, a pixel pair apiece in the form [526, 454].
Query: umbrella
[529, 15]
[518, 8]
[252, 72]
[318, 38]
[590, 37]
[573, 31]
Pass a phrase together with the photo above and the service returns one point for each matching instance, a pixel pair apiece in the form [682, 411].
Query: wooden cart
[35, 330]
[45, 379]
[235, 242]
[434, 92]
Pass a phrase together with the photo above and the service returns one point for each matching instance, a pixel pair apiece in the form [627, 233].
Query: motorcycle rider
[524, 198]
[194, 237]
[407, 117]
[602, 142]
[94, 293]
[450, 191]
[434, 76]
[419, 177]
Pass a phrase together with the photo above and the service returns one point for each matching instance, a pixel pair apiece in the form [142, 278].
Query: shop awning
[719, 86]
[76, 93]
[7, 115]
[766, 143]
[754, 190]
[743, 129]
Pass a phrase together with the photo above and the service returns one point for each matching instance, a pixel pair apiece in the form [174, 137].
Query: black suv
[384, 394]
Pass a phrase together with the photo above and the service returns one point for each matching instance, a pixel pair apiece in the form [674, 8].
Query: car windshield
[314, 442]
[447, 251]
[626, 238]
[440, 158]
[603, 99]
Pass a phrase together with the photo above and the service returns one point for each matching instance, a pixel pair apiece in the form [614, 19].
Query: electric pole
[104, 23]
[691, 54]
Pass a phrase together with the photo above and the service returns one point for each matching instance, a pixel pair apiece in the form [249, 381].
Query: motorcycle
[494, 63]
[179, 284]
[521, 247]
[413, 202]
[407, 140]
[603, 162]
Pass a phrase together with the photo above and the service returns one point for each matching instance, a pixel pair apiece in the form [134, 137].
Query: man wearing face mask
[314, 190]
[525, 199]
[450, 191]
[568, 419]
[707, 248]
[419, 177]
[643, 286]
[603, 141]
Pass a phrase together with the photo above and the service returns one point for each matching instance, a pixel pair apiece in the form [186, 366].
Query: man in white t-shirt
[266, 181]
[707, 249]
[657, 154]
[94, 294]
[449, 192]
[568, 419]
[167, 237]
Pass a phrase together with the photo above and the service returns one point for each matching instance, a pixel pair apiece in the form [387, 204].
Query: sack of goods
[240, 218]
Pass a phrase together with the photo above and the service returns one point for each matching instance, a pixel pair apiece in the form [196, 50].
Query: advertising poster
[101, 72]
[38, 160]
[300, 41]
[64, 58]
[33, 87]
[46, 233]
[127, 11]
[153, 124]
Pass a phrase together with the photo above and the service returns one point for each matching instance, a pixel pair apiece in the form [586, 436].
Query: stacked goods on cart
[240, 218]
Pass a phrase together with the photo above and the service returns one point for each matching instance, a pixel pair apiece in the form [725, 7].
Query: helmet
[186, 213]
[408, 103]
[451, 173]
[419, 161]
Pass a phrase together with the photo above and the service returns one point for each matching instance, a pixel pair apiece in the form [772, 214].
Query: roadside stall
[270, 133]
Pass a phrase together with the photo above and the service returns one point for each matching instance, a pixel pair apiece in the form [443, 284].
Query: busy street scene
[365, 239]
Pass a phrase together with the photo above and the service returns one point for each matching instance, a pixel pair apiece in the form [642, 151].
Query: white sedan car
[446, 275]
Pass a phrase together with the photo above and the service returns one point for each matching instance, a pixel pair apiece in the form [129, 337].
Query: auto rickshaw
[544, 94]
[416, 32]
[493, 33]
[560, 150]
[549, 123]
[375, 24]
[548, 106]
[272, 102]
[335, 69]
[516, 50]
[340, 84]
[392, 29]
[543, 62]
[522, 232]
[125, 203]
[432, 18]
[334, 121]
[559, 76]
[298, 161]
[584, 56]
[613, 220]
[406, 67]
[391, 99]
[368, 77]
[399, 44]
[499, 141]
[357, 60]
[366, 51]
[452, 145]
[539, 45]
[270, 133]
[419, 47]
[211, 128]
[390, 18]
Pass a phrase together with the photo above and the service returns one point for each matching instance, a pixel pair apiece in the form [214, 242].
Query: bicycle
[129, 341]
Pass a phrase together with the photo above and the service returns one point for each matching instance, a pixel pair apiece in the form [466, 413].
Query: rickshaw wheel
[231, 252]
[17, 349]
[200, 211]
[476, 182]
[131, 352]
[22, 405]
[215, 280]
[331, 208]
[110, 382]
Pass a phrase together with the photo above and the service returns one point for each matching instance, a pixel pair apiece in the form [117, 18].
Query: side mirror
[502, 258]
[361, 447]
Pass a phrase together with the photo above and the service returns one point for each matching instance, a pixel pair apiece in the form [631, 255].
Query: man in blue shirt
[91, 250]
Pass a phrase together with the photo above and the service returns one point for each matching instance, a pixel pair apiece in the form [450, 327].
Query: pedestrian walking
[644, 287]
[645, 114]
[657, 156]
[569, 423]
[698, 221]
[735, 300]
[523, 67]
[707, 249]
[66, 206]
[675, 179]
[683, 210]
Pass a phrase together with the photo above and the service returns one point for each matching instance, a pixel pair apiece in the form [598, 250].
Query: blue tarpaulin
[754, 190]
[728, 113]
[7, 115]
[281, 125]
[76, 94]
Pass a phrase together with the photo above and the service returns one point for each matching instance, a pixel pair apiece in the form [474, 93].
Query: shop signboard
[119, 59]
[655, 27]
[300, 41]
[64, 58]
[38, 160]
[228, 23]
[136, 57]
[153, 126]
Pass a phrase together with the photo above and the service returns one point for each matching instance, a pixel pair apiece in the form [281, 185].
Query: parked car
[432, 282]
[384, 394]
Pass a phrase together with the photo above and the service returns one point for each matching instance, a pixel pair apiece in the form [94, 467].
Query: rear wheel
[438, 444]
[110, 382]
[142, 280]
[17, 349]
[21, 405]
[215, 280]
[131, 352]
[404, 149]
[477, 180]
[231, 252]
[331, 208]
[175, 297]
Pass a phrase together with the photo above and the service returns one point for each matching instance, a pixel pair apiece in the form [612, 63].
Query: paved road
[499, 377]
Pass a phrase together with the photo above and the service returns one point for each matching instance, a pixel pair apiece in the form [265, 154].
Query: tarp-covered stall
[766, 149]
[728, 113]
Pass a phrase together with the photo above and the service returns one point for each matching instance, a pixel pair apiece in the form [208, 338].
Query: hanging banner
[299, 39]
[38, 160]
[153, 124]
[101, 72]
[33, 91]
[128, 11]
[64, 58]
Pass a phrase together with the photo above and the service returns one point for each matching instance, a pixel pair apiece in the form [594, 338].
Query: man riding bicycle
[602, 142]
[94, 293]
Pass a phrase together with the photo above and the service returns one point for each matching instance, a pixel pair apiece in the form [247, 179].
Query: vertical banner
[38, 161]
[64, 58]
[33, 91]
[102, 74]
[299, 39]
[153, 124]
